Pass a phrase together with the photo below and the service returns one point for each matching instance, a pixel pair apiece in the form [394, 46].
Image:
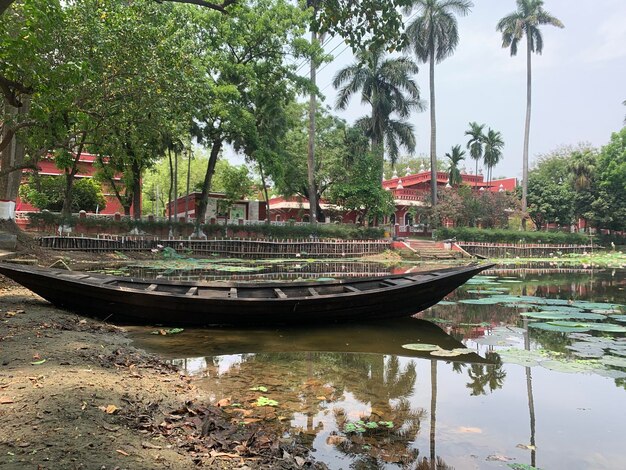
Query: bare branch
[10, 89]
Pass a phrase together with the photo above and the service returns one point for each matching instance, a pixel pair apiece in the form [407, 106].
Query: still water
[541, 383]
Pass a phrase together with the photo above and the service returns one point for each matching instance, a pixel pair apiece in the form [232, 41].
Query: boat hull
[126, 300]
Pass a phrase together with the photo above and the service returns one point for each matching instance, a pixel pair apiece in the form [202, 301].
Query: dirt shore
[75, 394]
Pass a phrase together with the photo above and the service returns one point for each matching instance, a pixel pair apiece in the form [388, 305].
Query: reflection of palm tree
[482, 376]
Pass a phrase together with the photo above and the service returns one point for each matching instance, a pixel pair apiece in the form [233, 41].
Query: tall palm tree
[386, 84]
[525, 21]
[433, 36]
[493, 151]
[455, 157]
[475, 144]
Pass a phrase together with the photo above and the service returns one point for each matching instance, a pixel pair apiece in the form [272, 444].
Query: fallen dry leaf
[6, 400]
[120, 451]
[223, 402]
[110, 409]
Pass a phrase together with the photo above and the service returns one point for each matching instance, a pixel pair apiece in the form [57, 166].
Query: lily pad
[451, 353]
[484, 291]
[572, 328]
[547, 315]
[608, 327]
[570, 367]
[446, 302]
[421, 347]
[521, 357]
[483, 301]
[619, 318]
[613, 361]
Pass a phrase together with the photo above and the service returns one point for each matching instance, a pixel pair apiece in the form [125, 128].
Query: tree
[525, 21]
[386, 85]
[433, 36]
[237, 61]
[454, 173]
[47, 192]
[475, 143]
[610, 205]
[358, 187]
[550, 196]
[493, 151]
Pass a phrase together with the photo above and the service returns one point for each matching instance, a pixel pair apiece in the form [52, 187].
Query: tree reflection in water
[320, 391]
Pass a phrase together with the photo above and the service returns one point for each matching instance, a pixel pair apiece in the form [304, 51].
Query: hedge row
[51, 220]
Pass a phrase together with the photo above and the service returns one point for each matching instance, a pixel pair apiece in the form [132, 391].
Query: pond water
[519, 368]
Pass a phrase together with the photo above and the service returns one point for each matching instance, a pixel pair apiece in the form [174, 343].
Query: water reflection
[472, 411]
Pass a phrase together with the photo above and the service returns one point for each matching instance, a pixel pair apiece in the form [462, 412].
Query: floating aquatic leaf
[595, 305]
[570, 367]
[521, 357]
[547, 315]
[260, 388]
[619, 318]
[608, 327]
[484, 291]
[611, 373]
[264, 401]
[451, 353]
[483, 301]
[38, 363]
[606, 311]
[560, 308]
[446, 302]
[614, 361]
[511, 281]
[421, 347]
[560, 328]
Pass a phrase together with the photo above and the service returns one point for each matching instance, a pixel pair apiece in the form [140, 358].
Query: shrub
[510, 236]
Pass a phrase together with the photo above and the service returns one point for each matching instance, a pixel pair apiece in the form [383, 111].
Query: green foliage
[509, 236]
[464, 207]
[47, 192]
[610, 205]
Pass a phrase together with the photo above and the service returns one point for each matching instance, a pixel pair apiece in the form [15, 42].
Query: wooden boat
[157, 301]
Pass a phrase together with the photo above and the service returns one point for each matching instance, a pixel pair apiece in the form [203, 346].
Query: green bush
[510, 236]
[126, 224]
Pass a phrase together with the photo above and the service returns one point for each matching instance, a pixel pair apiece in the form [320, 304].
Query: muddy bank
[74, 393]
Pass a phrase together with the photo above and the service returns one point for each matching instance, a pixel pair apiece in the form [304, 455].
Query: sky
[579, 82]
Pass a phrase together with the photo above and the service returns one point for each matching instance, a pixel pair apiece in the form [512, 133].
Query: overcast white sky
[579, 82]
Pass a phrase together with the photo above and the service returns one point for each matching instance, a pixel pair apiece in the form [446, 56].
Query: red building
[409, 191]
[86, 169]
[413, 190]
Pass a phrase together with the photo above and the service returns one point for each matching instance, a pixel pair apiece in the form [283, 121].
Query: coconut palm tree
[525, 21]
[475, 144]
[493, 150]
[433, 36]
[455, 157]
[386, 84]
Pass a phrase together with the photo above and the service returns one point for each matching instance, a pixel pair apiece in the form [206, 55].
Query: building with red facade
[86, 169]
[409, 191]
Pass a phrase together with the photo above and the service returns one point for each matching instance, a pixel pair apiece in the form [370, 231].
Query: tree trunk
[66, 212]
[526, 127]
[136, 188]
[433, 414]
[311, 148]
[169, 194]
[12, 156]
[267, 197]
[433, 134]
[206, 185]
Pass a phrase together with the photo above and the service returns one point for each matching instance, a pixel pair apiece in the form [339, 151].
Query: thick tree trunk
[11, 157]
[526, 127]
[206, 185]
[433, 134]
[311, 149]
